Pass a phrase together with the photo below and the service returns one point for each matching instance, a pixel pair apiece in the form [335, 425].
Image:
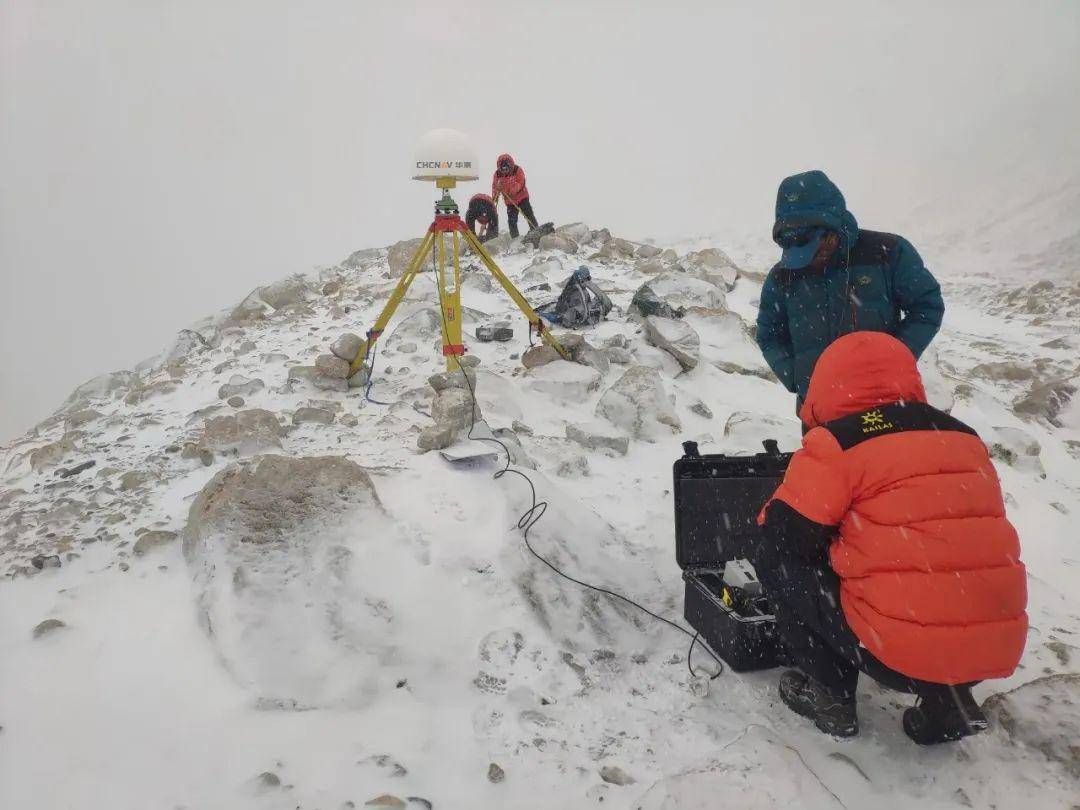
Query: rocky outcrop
[288, 291]
[244, 432]
[400, 254]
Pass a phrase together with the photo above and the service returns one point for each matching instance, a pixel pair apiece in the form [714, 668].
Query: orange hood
[858, 372]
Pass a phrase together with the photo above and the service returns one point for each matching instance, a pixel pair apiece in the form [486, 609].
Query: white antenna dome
[444, 153]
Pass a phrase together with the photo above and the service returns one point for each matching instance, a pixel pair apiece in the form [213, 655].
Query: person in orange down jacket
[886, 549]
[509, 181]
[482, 212]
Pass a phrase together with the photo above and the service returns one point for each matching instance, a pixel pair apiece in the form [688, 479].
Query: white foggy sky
[158, 160]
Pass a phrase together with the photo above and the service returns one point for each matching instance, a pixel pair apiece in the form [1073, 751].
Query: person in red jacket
[482, 212]
[886, 550]
[509, 182]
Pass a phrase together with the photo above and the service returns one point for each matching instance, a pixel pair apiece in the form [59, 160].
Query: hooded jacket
[511, 187]
[875, 282]
[904, 503]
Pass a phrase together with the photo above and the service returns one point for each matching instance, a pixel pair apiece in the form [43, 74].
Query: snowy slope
[485, 656]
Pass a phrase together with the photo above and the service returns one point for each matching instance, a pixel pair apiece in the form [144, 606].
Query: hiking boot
[832, 714]
[945, 716]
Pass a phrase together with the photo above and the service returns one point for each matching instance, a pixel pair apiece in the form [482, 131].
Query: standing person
[509, 181]
[834, 278]
[886, 550]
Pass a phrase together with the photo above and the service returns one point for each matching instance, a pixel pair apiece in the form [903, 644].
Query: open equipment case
[717, 501]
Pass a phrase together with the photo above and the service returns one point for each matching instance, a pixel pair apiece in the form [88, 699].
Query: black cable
[530, 516]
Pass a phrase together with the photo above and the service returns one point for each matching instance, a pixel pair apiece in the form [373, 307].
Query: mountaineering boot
[944, 716]
[833, 714]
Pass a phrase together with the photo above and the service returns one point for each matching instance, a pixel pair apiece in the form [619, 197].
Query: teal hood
[811, 199]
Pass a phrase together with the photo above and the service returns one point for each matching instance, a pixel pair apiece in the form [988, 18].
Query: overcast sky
[158, 160]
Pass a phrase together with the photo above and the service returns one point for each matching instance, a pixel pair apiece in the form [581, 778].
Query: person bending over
[483, 213]
[886, 550]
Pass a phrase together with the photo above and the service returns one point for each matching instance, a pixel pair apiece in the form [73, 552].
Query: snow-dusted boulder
[347, 346]
[400, 254]
[557, 241]
[677, 338]
[286, 292]
[240, 386]
[682, 290]
[648, 251]
[726, 341]
[275, 546]
[639, 404]
[594, 439]
[1018, 449]
[615, 248]
[1056, 401]
[571, 382]
[711, 265]
[578, 231]
[246, 432]
[744, 432]
[1043, 716]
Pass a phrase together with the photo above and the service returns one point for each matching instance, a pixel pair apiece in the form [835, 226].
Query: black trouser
[805, 597]
[483, 209]
[512, 215]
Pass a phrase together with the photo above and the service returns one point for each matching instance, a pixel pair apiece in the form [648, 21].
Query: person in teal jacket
[834, 278]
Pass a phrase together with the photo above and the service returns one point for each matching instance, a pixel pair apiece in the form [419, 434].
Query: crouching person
[886, 550]
[482, 217]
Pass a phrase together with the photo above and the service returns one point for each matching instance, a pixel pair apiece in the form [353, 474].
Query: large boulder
[677, 338]
[288, 291]
[712, 265]
[726, 342]
[557, 241]
[639, 404]
[615, 248]
[455, 408]
[578, 231]
[275, 546]
[347, 346]
[569, 382]
[400, 254]
[682, 290]
[1055, 401]
[1043, 716]
[245, 432]
[51, 455]
[646, 302]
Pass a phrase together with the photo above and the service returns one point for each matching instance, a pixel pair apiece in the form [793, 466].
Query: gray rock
[334, 383]
[451, 408]
[469, 361]
[286, 292]
[435, 437]
[386, 801]
[521, 428]
[81, 417]
[68, 472]
[267, 780]
[246, 431]
[466, 379]
[495, 773]
[133, 479]
[614, 775]
[239, 386]
[236, 402]
[327, 365]
[701, 409]
[41, 561]
[494, 332]
[50, 455]
[595, 441]
[192, 451]
[677, 338]
[557, 241]
[360, 259]
[347, 347]
[616, 249]
[620, 357]
[573, 465]
[648, 251]
[360, 378]
[1043, 715]
[1018, 449]
[500, 245]
[400, 255]
[151, 541]
[307, 415]
[539, 355]
[568, 382]
[1049, 400]
[407, 348]
[47, 626]
[638, 404]
[578, 231]
[619, 341]
[302, 374]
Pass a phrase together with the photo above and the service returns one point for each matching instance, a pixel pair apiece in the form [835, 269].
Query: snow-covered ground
[473, 653]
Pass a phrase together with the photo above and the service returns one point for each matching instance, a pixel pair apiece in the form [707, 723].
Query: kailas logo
[864, 280]
[444, 164]
[874, 422]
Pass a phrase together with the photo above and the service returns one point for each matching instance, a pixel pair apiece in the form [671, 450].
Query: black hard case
[717, 500]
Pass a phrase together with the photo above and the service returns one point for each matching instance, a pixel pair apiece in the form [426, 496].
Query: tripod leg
[395, 299]
[516, 296]
[450, 301]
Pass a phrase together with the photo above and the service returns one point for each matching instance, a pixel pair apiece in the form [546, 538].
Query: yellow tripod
[448, 221]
